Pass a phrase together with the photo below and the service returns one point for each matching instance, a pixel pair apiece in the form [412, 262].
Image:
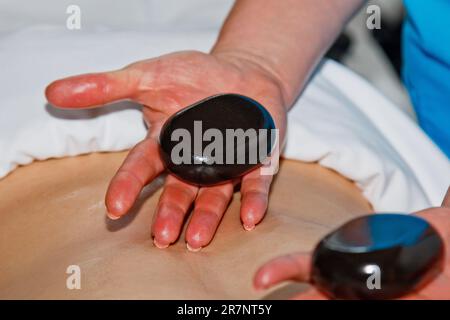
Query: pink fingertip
[262, 282]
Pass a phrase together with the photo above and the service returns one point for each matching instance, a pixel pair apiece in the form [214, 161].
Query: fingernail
[111, 216]
[249, 227]
[159, 245]
[193, 249]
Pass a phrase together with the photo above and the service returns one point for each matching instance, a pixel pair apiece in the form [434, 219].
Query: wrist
[247, 59]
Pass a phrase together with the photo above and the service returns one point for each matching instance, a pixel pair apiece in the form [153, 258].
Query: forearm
[285, 37]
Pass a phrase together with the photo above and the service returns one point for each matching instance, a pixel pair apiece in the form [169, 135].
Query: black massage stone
[407, 250]
[221, 112]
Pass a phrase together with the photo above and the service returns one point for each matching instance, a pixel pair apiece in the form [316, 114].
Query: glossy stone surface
[221, 113]
[407, 250]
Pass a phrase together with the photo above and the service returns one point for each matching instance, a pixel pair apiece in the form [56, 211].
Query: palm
[172, 82]
[165, 85]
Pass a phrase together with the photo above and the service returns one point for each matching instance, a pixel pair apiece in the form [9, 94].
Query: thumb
[289, 267]
[94, 89]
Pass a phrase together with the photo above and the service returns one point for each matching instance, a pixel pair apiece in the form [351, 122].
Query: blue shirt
[426, 66]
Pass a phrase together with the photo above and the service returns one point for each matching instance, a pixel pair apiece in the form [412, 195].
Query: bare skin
[257, 54]
[297, 266]
[52, 216]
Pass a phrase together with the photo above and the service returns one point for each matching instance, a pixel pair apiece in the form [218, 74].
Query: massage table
[52, 216]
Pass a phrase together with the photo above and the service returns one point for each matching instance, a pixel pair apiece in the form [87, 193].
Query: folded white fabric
[340, 121]
[31, 58]
[345, 124]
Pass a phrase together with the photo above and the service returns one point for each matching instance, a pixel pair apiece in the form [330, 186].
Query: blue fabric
[426, 66]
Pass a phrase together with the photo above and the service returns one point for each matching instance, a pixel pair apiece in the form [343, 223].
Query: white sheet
[340, 120]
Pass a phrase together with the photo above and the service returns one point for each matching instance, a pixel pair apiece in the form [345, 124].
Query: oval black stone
[405, 252]
[204, 159]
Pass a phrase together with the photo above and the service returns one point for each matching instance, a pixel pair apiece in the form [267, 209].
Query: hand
[297, 266]
[163, 86]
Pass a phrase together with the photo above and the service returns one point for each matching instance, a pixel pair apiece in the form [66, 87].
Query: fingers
[140, 167]
[290, 267]
[173, 205]
[210, 206]
[255, 197]
[93, 89]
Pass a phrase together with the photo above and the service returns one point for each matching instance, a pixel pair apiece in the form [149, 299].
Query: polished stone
[206, 151]
[379, 256]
